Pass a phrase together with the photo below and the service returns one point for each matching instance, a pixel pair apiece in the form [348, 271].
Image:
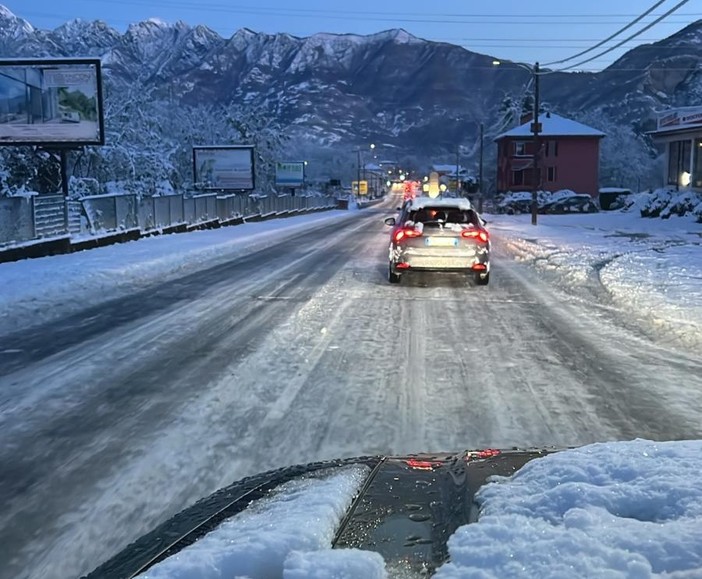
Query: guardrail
[44, 217]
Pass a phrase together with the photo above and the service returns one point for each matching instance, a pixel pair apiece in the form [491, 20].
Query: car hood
[407, 508]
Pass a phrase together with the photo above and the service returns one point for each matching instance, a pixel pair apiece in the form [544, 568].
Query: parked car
[575, 204]
[514, 206]
[445, 235]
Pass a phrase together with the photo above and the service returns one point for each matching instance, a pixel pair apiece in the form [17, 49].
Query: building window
[551, 149]
[551, 174]
[517, 177]
[679, 153]
[520, 149]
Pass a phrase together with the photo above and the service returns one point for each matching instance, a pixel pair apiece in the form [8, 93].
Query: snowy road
[116, 417]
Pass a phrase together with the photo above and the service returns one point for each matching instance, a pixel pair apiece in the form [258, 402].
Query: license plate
[441, 242]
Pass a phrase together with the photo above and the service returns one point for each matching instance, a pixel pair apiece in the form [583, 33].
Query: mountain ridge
[343, 90]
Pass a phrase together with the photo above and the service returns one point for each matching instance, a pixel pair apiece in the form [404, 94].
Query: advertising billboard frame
[58, 143]
[196, 173]
[289, 181]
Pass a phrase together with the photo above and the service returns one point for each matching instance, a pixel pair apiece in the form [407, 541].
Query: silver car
[444, 235]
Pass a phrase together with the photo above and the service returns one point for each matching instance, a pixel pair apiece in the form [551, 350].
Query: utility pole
[358, 172]
[458, 160]
[536, 129]
[480, 170]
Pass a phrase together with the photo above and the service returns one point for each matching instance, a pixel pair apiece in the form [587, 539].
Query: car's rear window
[439, 215]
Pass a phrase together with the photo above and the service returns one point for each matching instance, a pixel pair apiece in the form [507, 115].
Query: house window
[551, 174]
[551, 149]
[520, 149]
[517, 177]
[678, 161]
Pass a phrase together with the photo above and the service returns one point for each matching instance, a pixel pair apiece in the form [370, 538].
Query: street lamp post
[358, 172]
[480, 170]
[535, 130]
[358, 168]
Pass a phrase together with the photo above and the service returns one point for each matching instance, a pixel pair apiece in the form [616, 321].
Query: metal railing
[46, 216]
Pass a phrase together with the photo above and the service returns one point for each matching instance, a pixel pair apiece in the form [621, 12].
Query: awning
[520, 164]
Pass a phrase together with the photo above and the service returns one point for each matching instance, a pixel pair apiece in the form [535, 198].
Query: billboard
[229, 167]
[290, 173]
[51, 102]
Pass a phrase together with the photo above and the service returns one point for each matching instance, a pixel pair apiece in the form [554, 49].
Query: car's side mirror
[483, 221]
[398, 208]
[390, 221]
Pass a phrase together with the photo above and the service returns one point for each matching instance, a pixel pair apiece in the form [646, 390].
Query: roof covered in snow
[553, 125]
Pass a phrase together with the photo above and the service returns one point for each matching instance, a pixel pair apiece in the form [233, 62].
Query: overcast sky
[546, 30]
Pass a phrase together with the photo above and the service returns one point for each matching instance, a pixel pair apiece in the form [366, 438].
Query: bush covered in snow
[83, 187]
[665, 203]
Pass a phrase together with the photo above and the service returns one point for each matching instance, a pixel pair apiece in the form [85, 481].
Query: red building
[569, 156]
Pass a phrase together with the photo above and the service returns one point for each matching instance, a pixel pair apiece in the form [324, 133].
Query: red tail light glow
[482, 454]
[402, 265]
[478, 234]
[480, 267]
[422, 464]
[401, 234]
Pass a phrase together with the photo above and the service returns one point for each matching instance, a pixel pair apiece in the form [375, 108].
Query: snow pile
[666, 203]
[287, 534]
[621, 509]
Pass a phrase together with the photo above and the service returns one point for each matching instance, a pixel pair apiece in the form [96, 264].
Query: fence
[41, 217]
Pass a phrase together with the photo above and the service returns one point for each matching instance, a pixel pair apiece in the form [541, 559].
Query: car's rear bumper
[428, 260]
[441, 265]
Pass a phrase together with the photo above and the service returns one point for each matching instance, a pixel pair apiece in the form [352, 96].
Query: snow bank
[650, 268]
[621, 509]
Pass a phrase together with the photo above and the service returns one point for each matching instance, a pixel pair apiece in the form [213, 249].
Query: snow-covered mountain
[345, 89]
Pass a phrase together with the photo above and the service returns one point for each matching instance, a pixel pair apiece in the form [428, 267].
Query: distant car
[443, 235]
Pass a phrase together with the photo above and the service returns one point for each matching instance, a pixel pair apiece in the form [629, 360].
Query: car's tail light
[480, 267]
[401, 234]
[402, 265]
[477, 234]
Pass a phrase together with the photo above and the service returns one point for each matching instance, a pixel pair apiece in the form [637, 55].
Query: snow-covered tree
[24, 169]
[627, 158]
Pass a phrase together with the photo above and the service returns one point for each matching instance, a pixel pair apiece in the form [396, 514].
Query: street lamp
[535, 130]
[358, 168]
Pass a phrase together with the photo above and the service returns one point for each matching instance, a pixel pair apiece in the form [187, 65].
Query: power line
[448, 19]
[606, 40]
[644, 29]
[262, 9]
